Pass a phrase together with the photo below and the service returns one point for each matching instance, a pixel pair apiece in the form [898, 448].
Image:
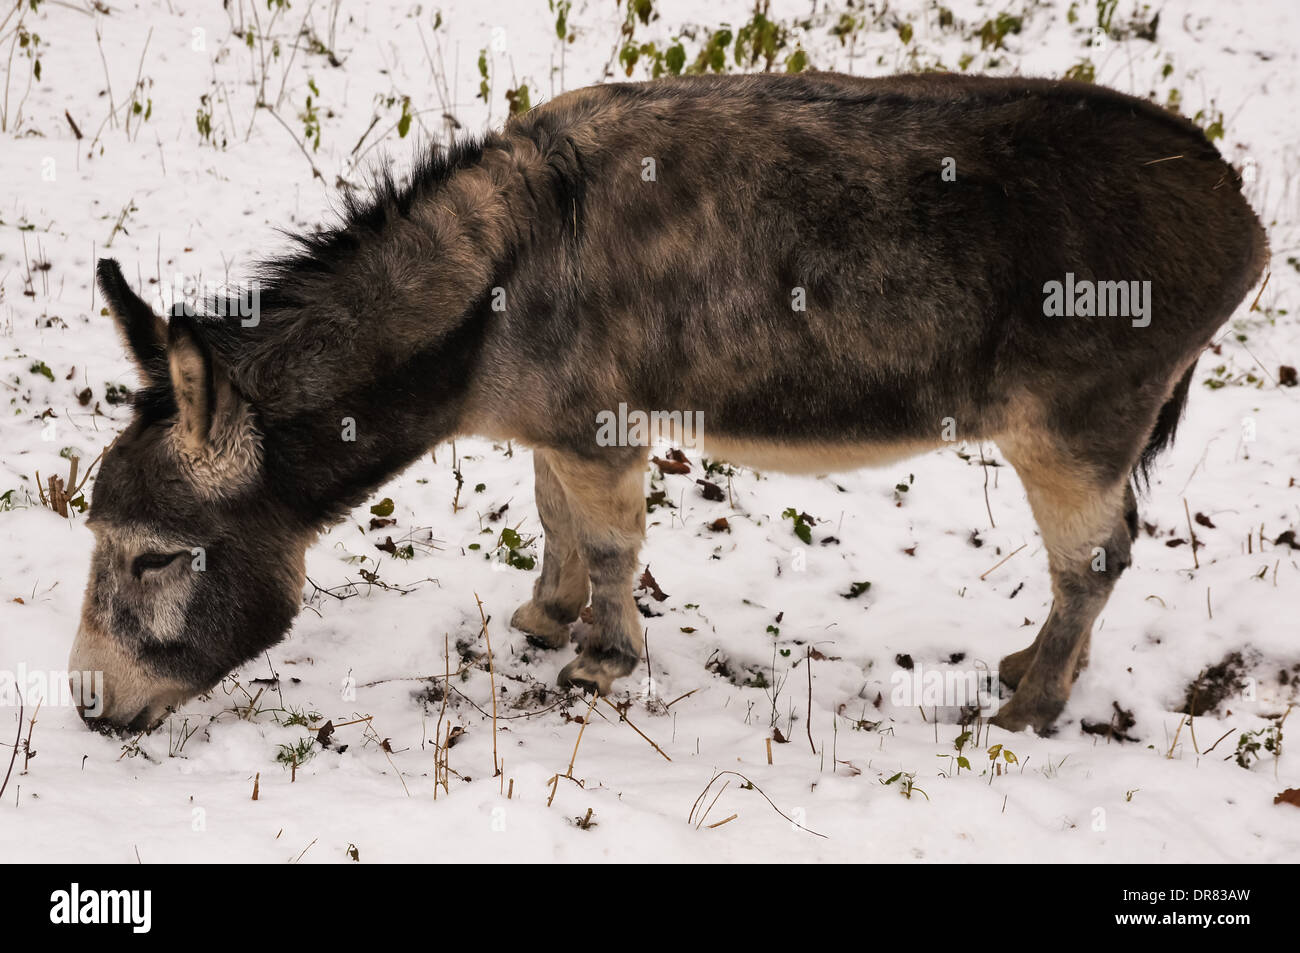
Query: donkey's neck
[374, 333]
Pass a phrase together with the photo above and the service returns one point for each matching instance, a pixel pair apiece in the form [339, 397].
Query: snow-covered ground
[197, 182]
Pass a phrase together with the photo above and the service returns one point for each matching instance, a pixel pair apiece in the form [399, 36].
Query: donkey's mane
[362, 214]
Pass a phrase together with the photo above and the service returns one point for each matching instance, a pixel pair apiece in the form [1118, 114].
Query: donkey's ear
[208, 407]
[190, 369]
[145, 333]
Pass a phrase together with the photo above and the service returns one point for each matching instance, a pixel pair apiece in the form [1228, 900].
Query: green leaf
[802, 523]
[520, 561]
[856, 589]
[519, 99]
[675, 59]
[383, 508]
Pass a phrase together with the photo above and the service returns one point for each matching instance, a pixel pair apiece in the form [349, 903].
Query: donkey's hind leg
[607, 506]
[561, 590]
[1084, 517]
[1012, 668]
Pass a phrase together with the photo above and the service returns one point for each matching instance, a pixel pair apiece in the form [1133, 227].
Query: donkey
[831, 269]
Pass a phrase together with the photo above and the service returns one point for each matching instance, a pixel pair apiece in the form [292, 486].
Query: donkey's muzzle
[114, 692]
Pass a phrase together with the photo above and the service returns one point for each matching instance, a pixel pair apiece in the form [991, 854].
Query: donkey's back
[830, 271]
[838, 260]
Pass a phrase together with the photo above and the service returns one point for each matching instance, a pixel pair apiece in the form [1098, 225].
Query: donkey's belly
[809, 456]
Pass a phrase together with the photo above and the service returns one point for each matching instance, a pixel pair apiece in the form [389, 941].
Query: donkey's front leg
[607, 508]
[561, 590]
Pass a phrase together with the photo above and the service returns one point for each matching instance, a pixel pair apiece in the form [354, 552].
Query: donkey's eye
[146, 561]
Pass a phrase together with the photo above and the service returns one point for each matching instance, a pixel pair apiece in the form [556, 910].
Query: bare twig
[809, 719]
[1004, 559]
[1196, 563]
[624, 718]
[585, 720]
[496, 769]
[17, 740]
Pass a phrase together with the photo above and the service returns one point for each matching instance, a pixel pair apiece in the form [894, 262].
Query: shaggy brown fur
[827, 268]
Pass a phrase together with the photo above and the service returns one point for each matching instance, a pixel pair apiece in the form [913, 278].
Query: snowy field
[139, 138]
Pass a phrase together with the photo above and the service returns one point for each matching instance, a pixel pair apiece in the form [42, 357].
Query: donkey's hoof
[1026, 710]
[541, 630]
[1012, 668]
[596, 671]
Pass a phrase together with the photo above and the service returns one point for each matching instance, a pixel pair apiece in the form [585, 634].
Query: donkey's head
[196, 567]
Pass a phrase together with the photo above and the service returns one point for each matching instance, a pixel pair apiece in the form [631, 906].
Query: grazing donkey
[832, 270]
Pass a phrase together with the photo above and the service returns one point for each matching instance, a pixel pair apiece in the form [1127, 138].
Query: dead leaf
[648, 583]
[675, 464]
[1115, 729]
[711, 491]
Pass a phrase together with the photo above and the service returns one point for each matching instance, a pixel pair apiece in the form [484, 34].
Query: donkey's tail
[1162, 435]
[1253, 264]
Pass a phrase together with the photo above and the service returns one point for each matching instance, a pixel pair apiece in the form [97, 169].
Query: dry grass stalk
[440, 753]
[623, 717]
[56, 494]
[694, 807]
[492, 678]
[13, 756]
[585, 720]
